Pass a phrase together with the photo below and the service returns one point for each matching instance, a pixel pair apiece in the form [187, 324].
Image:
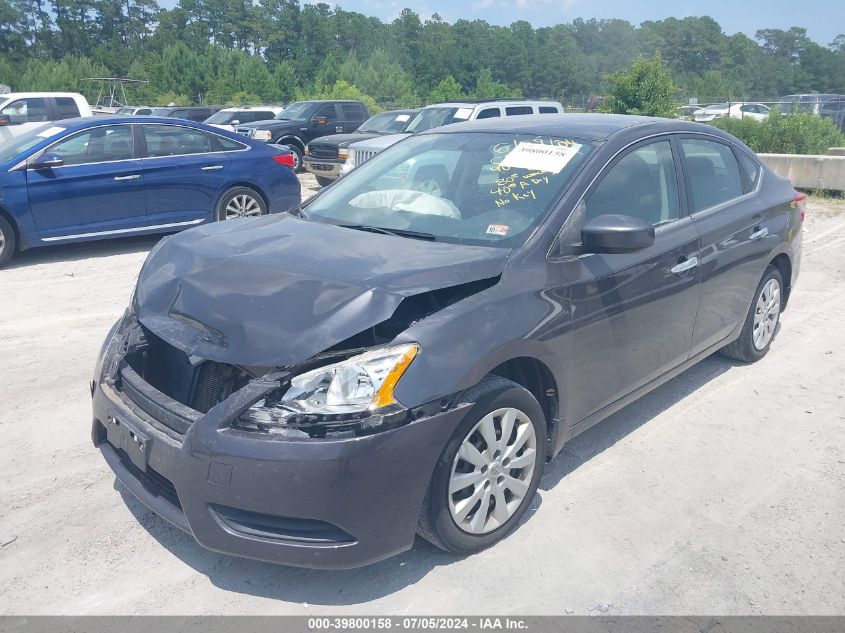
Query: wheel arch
[783, 263]
[535, 376]
[249, 185]
[20, 240]
[291, 139]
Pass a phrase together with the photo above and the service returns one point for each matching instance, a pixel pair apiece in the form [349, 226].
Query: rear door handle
[759, 233]
[685, 265]
[132, 177]
[212, 167]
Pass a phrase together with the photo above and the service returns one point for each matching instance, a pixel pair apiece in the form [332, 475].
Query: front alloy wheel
[492, 472]
[488, 471]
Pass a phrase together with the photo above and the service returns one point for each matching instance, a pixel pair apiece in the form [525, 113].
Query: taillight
[800, 203]
[284, 159]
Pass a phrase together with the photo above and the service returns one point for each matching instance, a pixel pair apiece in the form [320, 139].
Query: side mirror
[234, 122]
[5, 119]
[318, 120]
[614, 233]
[47, 161]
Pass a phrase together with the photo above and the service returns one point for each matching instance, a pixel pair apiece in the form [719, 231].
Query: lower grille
[153, 481]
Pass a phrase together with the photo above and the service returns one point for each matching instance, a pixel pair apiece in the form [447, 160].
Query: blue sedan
[94, 178]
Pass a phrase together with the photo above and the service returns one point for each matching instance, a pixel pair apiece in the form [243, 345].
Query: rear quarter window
[549, 110]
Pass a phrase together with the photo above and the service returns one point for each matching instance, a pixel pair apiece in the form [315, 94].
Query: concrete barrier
[809, 172]
[836, 151]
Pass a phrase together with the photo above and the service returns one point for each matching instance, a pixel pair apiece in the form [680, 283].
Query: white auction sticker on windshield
[498, 229]
[51, 131]
[403, 117]
[539, 157]
[463, 113]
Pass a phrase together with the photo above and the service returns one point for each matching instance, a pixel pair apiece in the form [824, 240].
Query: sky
[823, 19]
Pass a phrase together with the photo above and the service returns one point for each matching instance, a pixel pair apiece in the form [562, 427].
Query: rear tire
[761, 322]
[475, 502]
[8, 242]
[240, 202]
[323, 181]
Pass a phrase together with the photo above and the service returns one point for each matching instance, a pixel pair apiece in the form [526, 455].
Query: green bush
[646, 89]
[789, 134]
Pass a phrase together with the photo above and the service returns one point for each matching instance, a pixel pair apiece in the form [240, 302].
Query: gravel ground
[723, 491]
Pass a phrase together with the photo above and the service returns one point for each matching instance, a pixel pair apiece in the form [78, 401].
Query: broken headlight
[342, 396]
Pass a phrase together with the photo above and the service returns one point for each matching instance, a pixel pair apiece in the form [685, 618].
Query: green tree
[447, 90]
[487, 88]
[646, 88]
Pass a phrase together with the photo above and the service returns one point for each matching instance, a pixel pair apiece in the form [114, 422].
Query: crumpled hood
[274, 291]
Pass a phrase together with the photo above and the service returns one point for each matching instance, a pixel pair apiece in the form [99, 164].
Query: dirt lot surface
[721, 492]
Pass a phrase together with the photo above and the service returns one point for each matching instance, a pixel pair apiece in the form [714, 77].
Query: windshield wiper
[417, 235]
[299, 211]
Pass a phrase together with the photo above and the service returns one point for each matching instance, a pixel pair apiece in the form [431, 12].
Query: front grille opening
[194, 382]
[279, 528]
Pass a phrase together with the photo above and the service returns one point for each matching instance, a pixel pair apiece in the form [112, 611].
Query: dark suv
[325, 156]
[303, 121]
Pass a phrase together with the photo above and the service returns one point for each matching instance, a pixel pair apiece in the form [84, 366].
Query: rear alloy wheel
[761, 322]
[240, 202]
[488, 472]
[7, 241]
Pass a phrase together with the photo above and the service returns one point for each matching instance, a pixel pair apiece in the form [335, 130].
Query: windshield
[467, 188]
[295, 111]
[221, 117]
[161, 111]
[18, 144]
[429, 118]
[386, 123]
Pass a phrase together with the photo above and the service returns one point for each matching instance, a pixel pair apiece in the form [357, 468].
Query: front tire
[8, 242]
[761, 322]
[240, 202]
[297, 157]
[489, 471]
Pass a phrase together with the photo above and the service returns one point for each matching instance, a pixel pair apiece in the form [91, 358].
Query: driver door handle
[759, 233]
[683, 266]
[212, 167]
[132, 177]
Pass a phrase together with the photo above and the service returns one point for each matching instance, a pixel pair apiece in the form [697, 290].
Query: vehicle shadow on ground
[358, 586]
[83, 251]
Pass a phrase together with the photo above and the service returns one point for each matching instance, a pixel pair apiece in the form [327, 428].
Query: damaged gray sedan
[403, 353]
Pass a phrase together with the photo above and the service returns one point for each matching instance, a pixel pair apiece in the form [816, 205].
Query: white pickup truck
[22, 111]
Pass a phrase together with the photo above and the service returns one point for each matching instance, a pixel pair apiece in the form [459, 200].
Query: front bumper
[323, 167]
[330, 503]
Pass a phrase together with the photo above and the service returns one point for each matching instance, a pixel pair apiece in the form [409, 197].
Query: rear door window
[712, 172]
[549, 110]
[352, 112]
[174, 140]
[66, 108]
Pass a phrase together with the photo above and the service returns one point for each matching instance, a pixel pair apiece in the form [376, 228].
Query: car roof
[583, 126]
[44, 93]
[490, 102]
